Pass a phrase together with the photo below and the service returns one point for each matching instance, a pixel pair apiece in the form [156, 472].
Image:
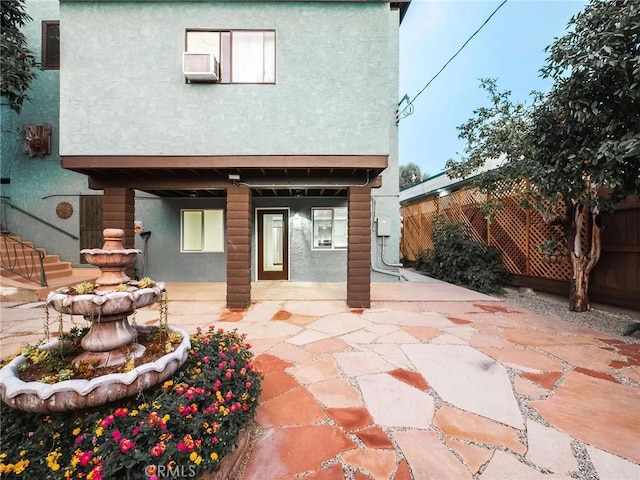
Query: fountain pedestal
[109, 342]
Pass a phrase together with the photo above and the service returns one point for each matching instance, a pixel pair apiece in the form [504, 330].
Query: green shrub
[457, 258]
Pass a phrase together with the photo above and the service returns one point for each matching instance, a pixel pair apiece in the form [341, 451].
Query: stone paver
[505, 466]
[611, 467]
[550, 448]
[459, 372]
[459, 424]
[438, 383]
[393, 403]
[597, 412]
[428, 457]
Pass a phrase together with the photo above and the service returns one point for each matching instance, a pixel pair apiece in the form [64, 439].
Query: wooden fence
[516, 231]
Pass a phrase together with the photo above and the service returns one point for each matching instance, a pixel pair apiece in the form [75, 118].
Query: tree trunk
[582, 236]
[579, 286]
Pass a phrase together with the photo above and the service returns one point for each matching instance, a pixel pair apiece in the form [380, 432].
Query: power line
[408, 110]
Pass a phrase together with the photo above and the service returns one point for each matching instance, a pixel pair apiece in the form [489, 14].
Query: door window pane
[273, 235]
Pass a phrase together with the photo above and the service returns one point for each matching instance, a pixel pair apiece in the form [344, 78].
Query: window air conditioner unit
[200, 67]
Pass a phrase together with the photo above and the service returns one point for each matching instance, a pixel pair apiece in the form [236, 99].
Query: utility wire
[408, 110]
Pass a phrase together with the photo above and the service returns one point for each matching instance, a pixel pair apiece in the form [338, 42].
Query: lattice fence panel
[539, 267]
[514, 230]
[416, 231]
[509, 235]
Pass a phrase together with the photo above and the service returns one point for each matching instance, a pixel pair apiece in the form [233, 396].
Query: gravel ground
[612, 320]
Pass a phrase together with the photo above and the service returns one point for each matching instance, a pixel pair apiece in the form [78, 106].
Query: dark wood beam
[267, 162]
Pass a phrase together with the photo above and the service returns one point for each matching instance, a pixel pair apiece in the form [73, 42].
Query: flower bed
[183, 427]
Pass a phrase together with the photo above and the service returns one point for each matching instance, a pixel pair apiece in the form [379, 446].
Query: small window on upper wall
[244, 56]
[329, 228]
[51, 44]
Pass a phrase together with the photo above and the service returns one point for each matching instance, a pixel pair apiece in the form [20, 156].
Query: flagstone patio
[453, 384]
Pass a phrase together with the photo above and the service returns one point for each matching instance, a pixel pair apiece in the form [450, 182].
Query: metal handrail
[51, 225]
[19, 258]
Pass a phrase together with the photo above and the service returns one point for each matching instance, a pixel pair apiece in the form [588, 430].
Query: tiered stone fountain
[111, 340]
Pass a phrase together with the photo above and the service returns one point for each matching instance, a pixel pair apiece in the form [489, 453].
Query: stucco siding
[123, 91]
[38, 185]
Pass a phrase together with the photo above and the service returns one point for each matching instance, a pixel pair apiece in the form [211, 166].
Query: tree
[17, 64]
[578, 145]
[410, 175]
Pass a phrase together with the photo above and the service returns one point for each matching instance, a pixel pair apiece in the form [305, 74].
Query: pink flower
[206, 341]
[158, 449]
[85, 458]
[107, 421]
[126, 445]
[116, 435]
[121, 412]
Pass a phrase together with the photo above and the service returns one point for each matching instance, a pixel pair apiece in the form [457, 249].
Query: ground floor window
[202, 231]
[329, 228]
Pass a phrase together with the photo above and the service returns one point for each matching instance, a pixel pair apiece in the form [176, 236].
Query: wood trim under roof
[267, 175]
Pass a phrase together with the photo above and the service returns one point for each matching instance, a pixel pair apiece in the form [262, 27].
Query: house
[232, 141]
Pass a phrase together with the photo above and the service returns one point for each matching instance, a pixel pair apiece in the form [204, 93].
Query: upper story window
[329, 228]
[244, 56]
[50, 44]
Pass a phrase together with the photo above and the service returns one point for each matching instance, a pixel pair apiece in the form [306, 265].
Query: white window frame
[212, 238]
[332, 247]
[227, 55]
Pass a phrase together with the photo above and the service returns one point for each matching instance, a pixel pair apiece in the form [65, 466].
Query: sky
[510, 48]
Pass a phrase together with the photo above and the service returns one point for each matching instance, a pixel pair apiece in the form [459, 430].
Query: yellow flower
[214, 456]
[167, 384]
[76, 431]
[133, 413]
[195, 458]
[52, 460]
[99, 431]
[22, 465]
[166, 418]
[23, 453]
[56, 436]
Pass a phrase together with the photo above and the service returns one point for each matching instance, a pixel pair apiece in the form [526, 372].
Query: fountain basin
[98, 304]
[77, 394]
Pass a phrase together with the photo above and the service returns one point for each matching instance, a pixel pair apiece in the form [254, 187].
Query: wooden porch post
[359, 248]
[238, 247]
[119, 212]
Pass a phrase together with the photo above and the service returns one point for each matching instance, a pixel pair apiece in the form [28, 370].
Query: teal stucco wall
[123, 91]
[38, 185]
